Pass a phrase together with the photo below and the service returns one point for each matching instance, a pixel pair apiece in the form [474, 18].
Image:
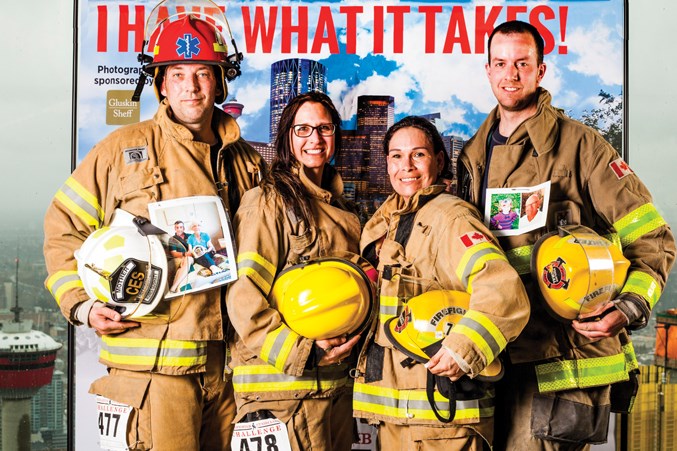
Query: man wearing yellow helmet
[565, 376]
[169, 368]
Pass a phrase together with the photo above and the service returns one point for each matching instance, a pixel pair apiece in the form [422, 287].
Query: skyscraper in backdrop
[289, 78]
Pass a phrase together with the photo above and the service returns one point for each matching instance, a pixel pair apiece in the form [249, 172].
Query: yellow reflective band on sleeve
[520, 259]
[258, 269]
[413, 405]
[483, 333]
[265, 378]
[630, 357]
[62, 281]
[474, 259]
[147, 353]
[389, 306]
[278, 345]
[644, 285]
[637, 223]
[615, 240]
[81, 203]
[583, 373]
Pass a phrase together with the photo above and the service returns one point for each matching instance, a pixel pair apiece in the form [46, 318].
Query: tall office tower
[353, 161]
[375, 114]
[289, 78]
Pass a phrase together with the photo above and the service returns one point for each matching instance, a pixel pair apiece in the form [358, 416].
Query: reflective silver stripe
[80, 201]
[259, 269]
[412, 404]
[64, 280]
[470, 323]
[278, 345]
[152, 352]
[467, 271]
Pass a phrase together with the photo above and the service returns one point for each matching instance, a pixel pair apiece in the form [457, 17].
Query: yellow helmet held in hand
[577, 270]
[324, 298]
[426, 320]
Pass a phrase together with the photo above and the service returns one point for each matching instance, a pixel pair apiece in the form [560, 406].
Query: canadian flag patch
[620, 168]
[473, 238]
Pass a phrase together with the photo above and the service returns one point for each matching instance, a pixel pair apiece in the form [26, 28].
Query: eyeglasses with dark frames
[305, 130]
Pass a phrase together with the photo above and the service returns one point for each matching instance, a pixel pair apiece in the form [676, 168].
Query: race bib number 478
[261, 435]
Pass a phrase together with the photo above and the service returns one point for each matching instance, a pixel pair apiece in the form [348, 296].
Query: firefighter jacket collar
[329, 177]
[223, 124]
[542, 129]
[394, 207]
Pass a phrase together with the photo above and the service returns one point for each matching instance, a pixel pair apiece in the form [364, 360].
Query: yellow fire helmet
[425, 321]
[121, 267]
[325, 298]
[576, 271]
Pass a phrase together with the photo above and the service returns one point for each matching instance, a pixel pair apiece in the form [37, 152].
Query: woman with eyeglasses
[297, 386]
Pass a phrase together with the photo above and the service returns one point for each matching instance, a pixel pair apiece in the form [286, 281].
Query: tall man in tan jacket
[564, 378]
[170, 372]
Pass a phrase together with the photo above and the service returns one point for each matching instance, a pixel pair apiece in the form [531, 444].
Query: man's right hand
[107, 321]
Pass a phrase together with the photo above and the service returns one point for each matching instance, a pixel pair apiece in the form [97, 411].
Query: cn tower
[26, 364]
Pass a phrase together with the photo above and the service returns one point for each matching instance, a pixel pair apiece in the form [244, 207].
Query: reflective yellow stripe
[62, 281]
[80, 202]
[413, 405]
[483, 333]
[151, 353]
[474, 259]
[630, 357]
[278, 345]
[615, 239]
[583, 373]
[265, 378]
[520, 259]
[389, 306]
[256, 268]
[639, 222]
[644, 285]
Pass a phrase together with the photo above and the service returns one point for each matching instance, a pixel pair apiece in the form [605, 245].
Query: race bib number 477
[112, 420]
[261, 435]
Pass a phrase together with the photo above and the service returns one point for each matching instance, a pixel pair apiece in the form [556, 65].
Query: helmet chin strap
[143, 76]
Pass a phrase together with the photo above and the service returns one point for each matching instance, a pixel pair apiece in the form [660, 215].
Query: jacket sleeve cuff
[81, 312]
[462, 364]
[634, 308]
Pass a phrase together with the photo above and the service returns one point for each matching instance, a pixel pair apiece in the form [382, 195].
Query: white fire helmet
[123, 268]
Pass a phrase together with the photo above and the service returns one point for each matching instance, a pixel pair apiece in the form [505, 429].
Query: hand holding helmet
[604, 322]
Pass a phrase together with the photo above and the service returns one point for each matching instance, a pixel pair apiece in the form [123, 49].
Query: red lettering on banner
[429, 13]
[484, 26]
[102, 25]
[301, 29]
[534, 19]
[457, 32]
[398, 13]
[379, 29]
[126, 27]
[295, 34]
[259, 31]
[325, 33]
[351, 13]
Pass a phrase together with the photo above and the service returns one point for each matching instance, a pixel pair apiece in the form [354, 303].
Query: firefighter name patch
[620, 168]
[473, 238]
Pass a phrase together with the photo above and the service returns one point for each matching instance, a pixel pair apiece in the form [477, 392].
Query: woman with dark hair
[296, 216]
[449, 303]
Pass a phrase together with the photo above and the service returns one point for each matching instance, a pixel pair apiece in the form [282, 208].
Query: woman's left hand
[443, 364]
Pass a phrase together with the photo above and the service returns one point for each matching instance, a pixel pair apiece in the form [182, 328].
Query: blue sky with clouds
[453, 84]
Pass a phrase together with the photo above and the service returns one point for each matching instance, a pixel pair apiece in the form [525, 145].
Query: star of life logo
[188, 46]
